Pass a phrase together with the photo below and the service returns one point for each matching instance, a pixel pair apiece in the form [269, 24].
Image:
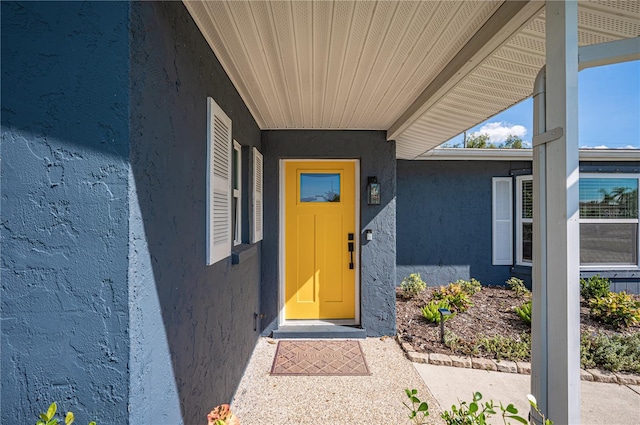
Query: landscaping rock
[484, 364]
[439, 359]
[458, 361]
[407, 347]
[627, 378]
[524, 368]
[418, 357]
[585, 376]
[506, 366]
[603, 376]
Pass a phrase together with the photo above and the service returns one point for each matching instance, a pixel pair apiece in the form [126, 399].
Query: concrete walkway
[606, 404]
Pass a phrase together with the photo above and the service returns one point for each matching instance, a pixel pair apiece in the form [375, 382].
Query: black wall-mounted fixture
[373, 191]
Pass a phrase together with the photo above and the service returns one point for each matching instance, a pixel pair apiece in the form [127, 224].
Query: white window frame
[520, 221]
[501, 242]
[237, 193]
[613, 220]
[590, 267]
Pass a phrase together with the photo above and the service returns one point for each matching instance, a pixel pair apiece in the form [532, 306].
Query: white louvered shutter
[219, 147]
[502, 229]
[256, 207]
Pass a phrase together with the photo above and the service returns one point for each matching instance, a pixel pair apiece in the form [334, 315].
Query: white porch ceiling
[423, 70]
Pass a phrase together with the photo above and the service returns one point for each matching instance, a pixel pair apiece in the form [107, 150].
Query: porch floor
[375, 399]
[378, 398]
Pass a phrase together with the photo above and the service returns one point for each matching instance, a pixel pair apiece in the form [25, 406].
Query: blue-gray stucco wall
[377, 257]
[192, 325]
[65, 148]
[444, 221]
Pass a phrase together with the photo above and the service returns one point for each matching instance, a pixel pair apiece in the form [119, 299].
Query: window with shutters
[609, 220]
[219, 174]
[609, 224]
[256, 196]
[524, 220]
[502, 226]
[236, 213]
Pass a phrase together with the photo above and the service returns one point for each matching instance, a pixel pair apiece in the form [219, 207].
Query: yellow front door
[320, 240]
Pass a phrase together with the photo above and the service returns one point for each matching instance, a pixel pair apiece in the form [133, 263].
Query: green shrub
[478, 413]
[617, 309]
[594, 287]
[459, 345]
[501, 348]
[457, 298]
[614, 353]
[504, 348]
[419, 409]
[412, 285]
[517, 286]
[524, 311]
[50, 419]
[431, 313]
[470, 287]
[471, 413]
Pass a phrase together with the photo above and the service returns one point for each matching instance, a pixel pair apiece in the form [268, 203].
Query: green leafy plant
[412, 285]
[50, 419]
[503, 348]
[499, 347]
[431, 313]
[470, 287]
[418, 410]
[524, 312]
[611, 352]
[457, 298]
[459, 345]
[470, 413]
[517, 286]
[616, 308]
[477, 413]
[534, 403]
[594, 287]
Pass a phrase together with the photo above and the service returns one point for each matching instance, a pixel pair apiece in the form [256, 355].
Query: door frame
[282, 321]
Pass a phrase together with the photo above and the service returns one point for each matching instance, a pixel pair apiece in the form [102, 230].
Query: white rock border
[524, 368]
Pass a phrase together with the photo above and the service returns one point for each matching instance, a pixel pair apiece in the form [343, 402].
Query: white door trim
[281, 243]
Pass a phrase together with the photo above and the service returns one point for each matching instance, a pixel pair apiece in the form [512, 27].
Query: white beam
[479, 154]
[555, 379]
[609, 53]
[499, 28]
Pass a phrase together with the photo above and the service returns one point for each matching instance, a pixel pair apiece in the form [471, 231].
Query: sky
[608, 111]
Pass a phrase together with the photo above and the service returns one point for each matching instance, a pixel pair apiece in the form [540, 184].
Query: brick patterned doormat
[319, 358]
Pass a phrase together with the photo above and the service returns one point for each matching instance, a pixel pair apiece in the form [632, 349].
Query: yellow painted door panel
[319, 216]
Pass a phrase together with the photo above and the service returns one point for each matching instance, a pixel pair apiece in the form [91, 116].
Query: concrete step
[319, 332]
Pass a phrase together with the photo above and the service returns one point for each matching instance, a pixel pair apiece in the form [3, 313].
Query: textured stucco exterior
[64, 211]
[192, 325]
[377, 257]
[108, 307]
[444, 221]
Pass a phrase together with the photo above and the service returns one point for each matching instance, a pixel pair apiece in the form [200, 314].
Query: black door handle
[351, 249]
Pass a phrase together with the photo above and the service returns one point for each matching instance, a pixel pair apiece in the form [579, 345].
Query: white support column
[555, 379]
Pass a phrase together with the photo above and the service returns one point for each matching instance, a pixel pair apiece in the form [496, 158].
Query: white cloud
[499, 131]
[607, 147]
